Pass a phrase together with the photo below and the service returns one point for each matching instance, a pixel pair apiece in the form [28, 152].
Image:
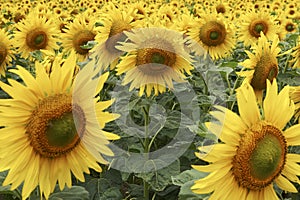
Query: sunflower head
[81, 39]
[253, 24]
[258, 26]
[260, 157]
[37, 39]
[212, 33]
[266, 68]
[154, 58]
[263, 64]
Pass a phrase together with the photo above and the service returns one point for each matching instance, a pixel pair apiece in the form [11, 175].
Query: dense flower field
[154, 99]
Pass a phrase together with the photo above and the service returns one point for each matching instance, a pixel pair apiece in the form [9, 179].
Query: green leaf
[186, 180]
[101, 189]
[158, 180]
[73, 193]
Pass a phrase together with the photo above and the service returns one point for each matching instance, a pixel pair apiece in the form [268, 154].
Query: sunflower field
[149, 100]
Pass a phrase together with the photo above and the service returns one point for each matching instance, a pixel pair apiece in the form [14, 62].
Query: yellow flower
[214, 34]
[295, 96]
[50, 130]
[295, 61]
[35, 33]
[156, 56]
[252, 24]
[254, 153]
[6, 52]
[115, 22]
[262, 64]
[77, 34]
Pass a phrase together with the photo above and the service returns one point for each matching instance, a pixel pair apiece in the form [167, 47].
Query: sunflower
[295, 61]
[253, 154]
[6, 51]
[114, 23]
[35, 33]
[77, 34]
[49, 130]
[252, 24]
[156, 56]
[295, 96]
[286, 26]
[214, 34]
[262, 64]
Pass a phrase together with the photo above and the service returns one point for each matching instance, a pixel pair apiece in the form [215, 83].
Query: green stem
[232, 91]
[146, 148]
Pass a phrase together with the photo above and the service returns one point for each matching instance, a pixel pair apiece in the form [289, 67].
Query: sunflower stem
[146, 148]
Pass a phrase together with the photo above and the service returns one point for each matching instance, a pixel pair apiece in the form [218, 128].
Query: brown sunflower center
[266, 68]
[18, 17]
[258, 26]
[82, 38]
[259, 158]
[220, 8]
[3, 53]
[116, 35]
[212, 33]
[37, 39]
[153, 61]
[290, 27]
[56, 126]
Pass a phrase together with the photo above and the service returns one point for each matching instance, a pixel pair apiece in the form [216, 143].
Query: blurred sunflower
[262, 65]
[295, 61]
[50, 130]
[295, 96]
[114, 23]
[286, 26]
[252, 24]
[214, 34]
[35, 33]
[77, 34]
[155, 58]
[6, 51]
[254, 153]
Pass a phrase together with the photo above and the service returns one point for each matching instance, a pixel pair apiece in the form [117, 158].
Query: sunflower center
[3, 53]
[220, 8]
[212, 33]
[157, 58]
[81, 39]
[61, 132]
[260, 158]
[258, 26]
[266, 68]
[55, 126]
[290, 27]
[153, 61]
[37, 39]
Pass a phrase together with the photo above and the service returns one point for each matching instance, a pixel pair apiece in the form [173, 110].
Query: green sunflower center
[290, 27]
[266, 68]
[80, 39]
[157, 58]
[37, 39]
[260, 157]
[212, 33]
[3, 53]
[55, 126]
[258, 26]
[61, 132]
[154, 61]
[265, 157]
